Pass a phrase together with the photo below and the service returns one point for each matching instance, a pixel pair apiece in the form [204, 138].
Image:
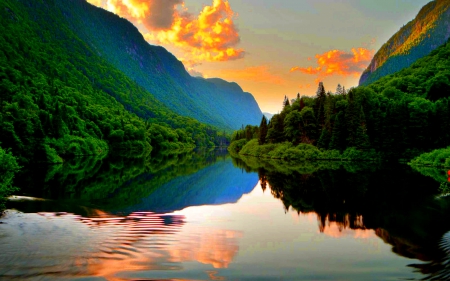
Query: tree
[292, 126]
[324, 140]
[309, 127]
[275, 132]
[339, 134]
[339, 90]
[319, 104]
[302, 104]
[262, 131]
[286, 102]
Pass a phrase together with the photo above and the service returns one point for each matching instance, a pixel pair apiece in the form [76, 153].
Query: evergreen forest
[398, 117]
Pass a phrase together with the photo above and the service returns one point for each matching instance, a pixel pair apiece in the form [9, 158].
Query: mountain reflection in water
[198, 217]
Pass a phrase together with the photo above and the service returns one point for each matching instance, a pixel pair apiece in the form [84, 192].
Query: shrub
[8, 168]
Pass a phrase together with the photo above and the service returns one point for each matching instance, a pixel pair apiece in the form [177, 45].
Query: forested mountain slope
[212, 101]
[59, 98]
[429, 30]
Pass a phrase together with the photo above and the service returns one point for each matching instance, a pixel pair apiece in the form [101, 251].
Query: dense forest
[398, 117]
[60, 99]
[211, 101]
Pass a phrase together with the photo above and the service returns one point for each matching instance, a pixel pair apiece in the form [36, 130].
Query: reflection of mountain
[111, 183]
[219, 183]
[125, 185]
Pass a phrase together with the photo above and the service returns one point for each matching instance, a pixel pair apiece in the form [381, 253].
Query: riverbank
[303, 151]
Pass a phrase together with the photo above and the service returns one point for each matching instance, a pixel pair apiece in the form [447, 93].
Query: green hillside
[211, 101]
[429, 30]
[60, 99]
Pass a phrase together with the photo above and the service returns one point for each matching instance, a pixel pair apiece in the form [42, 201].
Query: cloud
[194, 73]
[209, 36]
[190, 65]
[306, 86]
[95, 2]
[336, 62]
[259, 74]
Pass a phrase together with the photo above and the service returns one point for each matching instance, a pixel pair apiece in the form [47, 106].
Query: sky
[271, 48]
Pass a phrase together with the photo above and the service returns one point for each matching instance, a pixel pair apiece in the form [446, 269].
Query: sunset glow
[270, 55]
[337, 62]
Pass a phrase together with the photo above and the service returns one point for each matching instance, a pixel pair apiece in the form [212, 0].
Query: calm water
[207, 216]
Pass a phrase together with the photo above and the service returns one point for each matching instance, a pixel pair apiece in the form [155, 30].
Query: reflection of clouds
[217, 247]
[342, 226]
[109, 246]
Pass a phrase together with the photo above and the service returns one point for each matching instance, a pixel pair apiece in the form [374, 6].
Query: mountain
[268, 115]
[429, 30]
[211, 101]
[60, 98]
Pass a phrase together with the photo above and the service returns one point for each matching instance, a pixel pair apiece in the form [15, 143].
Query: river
[209, 216]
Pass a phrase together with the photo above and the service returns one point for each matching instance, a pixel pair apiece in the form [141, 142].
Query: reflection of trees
[394, 200]
[115, 181]
[343, 221]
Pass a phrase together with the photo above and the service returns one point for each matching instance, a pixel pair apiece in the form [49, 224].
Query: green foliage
[302, 151]
[113, 182]
[61, 99]
[398, 117]
[413, 41]
[8, 169]
[237, 145]
[262, 131]
[435, 158]
[211, 101]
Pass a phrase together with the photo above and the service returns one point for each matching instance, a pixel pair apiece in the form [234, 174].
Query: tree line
[399, 116]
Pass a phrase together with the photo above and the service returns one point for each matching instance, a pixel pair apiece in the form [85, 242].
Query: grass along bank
[302, 151]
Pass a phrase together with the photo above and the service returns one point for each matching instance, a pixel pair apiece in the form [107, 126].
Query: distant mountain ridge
[429, 30]
[268, 115]
[212, 101]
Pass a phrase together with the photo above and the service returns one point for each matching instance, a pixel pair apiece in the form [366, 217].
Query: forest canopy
[400, 116]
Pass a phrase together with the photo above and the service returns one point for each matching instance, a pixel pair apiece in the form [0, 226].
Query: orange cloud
[209, 36]
[337, 62]
[307, 86]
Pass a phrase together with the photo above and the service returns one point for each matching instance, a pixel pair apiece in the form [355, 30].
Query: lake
[209, 216]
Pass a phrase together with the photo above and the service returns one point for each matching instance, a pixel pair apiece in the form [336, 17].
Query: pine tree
[339, 90]
[324, 140]
[339, 134]
[302, 104]
[262, 131]
[319, 103]
[286, 102]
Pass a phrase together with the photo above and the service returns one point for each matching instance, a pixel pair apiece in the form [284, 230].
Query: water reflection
[161, 183]
[204, 216]
[107, 246]
[392, 202]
